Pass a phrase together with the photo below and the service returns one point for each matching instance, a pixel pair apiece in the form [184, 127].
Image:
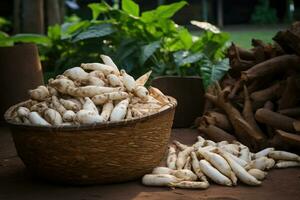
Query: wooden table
[16, 183]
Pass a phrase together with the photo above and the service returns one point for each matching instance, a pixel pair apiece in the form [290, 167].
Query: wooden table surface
[17, 184]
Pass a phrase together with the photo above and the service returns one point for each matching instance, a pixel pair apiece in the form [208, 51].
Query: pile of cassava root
[258, 101]
[92, 93]
[223, 163]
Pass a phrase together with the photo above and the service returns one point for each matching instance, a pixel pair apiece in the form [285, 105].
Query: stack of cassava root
[92, 93]
[258, 101]
[223, 163]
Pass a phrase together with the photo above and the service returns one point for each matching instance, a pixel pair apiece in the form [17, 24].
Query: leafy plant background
[136, 41]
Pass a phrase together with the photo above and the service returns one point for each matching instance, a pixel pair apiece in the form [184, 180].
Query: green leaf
[130, 7]
[3, 35]
[31, 38]
[214, 44]
[5, 41]
[54, 32]
[95, 31]
[98, 8]
[212, 72]
[70, 29]
[147, 51]
[162, 12]
[182, 58]
[186, 38]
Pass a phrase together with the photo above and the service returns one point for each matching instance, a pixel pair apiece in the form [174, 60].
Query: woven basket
[102, 153]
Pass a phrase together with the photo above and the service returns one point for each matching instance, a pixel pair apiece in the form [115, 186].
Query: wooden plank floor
[16, 183]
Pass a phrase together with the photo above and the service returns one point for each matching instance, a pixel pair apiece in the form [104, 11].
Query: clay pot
[189, 93]
[20, 71]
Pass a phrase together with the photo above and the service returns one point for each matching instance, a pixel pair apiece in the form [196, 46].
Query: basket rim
[9, 120]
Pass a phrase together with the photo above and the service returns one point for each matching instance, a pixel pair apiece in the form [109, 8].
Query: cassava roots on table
[224, 163]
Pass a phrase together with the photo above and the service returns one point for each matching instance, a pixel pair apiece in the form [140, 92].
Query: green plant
[8, 41]
[137, 42]
[263, 13]
[5, 25]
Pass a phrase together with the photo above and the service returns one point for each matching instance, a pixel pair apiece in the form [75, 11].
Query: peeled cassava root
[92, 93]
[221, 162]
[258, 100]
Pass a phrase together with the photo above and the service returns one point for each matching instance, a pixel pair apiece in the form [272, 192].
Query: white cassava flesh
[69, 105]
[245, 154]
[105, 69]
[261, 163]
[114, 80]
[264, 152]
[172, 157]
[182, 156]
[142, 80]
[108, 61]
[129, 114]
[141, 92]
[106, 110]
[210, 143]
[128, 81]
[196, 167]
[56, 105]
[39, 107]
[222, 143]
[89, 105]
[231, 148]
[52, 91]
[162, 170]
[91, 80]
[200, 142]
[258, 174]
[76, 73]
[88, 117]
[286, 164]
[53, 117]
[103, 98]
[40, 93]
[190, 184]
[69, 116]
[187, 164]
[97, 74]
[119, 111]
[36, 119]
[208, 148]
[62, 85]
[23, 112]
[220, 164]
[185, 174]
[214, 174]
[237, 160]
[284, 155]
[90, 90]
[157, 94]
[239, 171]
[159, 179]
[179, 145]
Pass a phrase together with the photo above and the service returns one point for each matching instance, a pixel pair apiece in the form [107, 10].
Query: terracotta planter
[20, 71]
[189, 92]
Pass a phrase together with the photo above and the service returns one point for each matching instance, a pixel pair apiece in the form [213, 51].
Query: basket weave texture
[103, 153]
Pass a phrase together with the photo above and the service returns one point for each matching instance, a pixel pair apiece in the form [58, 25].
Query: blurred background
[242, 19]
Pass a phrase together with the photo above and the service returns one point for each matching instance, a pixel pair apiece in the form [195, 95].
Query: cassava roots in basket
[92, 93]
